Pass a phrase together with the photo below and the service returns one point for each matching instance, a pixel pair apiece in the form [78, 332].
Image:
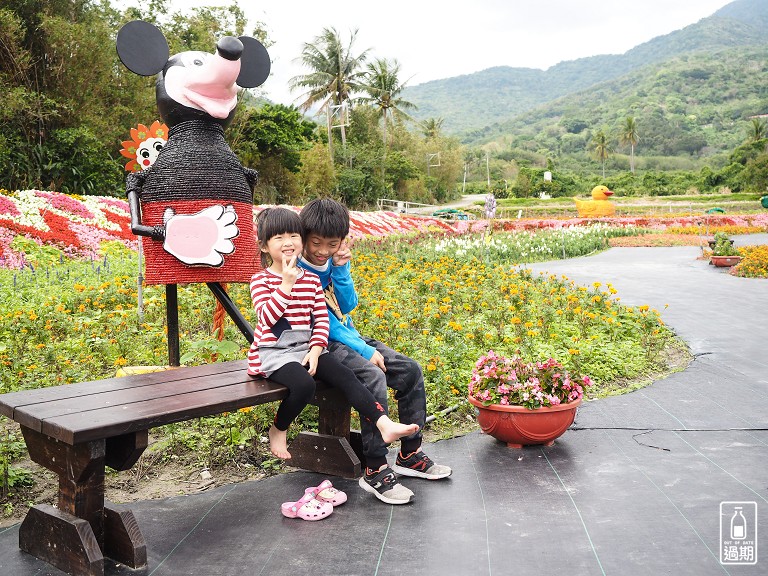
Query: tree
[383, 90]
[271, 139]
[58, 84]
[755, 174]
[757, 130]
[335, 74]
[431, 128]
[273, 130]
[601, 148]
[67, 102]
[630, 136]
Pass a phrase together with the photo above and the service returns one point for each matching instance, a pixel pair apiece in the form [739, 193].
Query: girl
[291, 337]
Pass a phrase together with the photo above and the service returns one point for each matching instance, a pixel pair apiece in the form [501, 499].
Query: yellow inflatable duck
[598, 206]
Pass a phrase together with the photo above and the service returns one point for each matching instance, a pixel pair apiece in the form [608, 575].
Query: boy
[326, 225]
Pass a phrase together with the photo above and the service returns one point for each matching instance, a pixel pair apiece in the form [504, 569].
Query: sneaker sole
[368, 488]
[416, 474]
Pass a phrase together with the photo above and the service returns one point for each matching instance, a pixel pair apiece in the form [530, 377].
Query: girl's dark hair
[273, 221]
[325, 217]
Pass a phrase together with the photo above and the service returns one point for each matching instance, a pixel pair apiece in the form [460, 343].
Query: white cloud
[435, 40]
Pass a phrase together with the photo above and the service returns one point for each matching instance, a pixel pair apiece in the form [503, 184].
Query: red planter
[518, 426]
[725, 261]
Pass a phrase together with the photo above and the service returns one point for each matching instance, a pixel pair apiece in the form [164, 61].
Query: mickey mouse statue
[196, 201]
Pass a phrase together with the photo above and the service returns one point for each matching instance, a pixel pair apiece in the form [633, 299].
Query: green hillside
[471, 102]
[695, 104]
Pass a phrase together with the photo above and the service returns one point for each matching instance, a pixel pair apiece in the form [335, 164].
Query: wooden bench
[76, 430]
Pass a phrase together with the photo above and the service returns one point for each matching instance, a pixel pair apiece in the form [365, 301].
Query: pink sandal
[325, 492]
[306, 508]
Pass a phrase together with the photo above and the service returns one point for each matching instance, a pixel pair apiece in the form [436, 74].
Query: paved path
[635, 488]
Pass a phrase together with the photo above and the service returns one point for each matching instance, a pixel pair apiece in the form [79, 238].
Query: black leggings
[301, 389]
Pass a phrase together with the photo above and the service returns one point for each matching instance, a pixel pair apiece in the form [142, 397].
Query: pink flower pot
[518, 426]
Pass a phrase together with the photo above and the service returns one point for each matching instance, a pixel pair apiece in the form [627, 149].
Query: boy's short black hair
[325, 217]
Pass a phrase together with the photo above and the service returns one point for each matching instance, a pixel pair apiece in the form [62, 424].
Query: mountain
[473, 101]
[694, 105]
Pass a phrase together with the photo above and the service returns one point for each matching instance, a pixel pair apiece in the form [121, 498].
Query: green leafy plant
[12, 477]
[724, 246]
[210, 350]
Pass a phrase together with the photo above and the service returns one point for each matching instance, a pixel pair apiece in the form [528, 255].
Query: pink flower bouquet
[511, 381]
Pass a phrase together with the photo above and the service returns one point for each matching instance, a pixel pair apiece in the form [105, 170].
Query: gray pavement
[634, 488]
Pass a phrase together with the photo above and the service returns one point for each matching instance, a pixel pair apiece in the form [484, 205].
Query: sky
[442, 39]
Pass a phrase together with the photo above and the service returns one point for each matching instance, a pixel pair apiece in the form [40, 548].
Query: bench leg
[329, 451]
[325, 454]
[80, 469]
[77, 535]
[62, 540]
[123, 541]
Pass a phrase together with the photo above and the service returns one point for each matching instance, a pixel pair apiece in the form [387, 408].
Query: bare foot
[278, 443]
[391, 431]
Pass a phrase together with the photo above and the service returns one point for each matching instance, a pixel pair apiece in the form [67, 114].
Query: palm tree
[602, 148]
[383, 90]
[757, 130]
[335, 74]
[431, 128]
[630, 136]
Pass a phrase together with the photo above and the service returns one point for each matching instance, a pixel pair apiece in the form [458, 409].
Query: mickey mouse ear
[142, 48]
[254, 63]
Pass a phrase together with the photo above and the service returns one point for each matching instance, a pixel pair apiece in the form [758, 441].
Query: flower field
[442, 293]
[77, 226]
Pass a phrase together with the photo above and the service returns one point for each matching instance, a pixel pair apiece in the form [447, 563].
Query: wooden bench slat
[31, 415]
[12, 400]
[118, 420]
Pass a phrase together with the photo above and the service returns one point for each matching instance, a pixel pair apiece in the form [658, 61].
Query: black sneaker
[383, 484]
[419, 465]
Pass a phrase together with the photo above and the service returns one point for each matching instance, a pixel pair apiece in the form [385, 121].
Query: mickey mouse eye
[197, 62]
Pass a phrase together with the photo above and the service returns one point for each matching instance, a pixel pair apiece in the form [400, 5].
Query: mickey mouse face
[194, 84]
[205, 82]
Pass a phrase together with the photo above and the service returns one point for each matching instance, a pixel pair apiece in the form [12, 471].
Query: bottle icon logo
[738, 525]
[738, 533]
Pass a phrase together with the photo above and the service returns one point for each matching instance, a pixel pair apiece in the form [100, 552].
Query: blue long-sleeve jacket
[344, 288]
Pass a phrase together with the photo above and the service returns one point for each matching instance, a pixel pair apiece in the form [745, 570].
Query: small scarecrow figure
[144, 146]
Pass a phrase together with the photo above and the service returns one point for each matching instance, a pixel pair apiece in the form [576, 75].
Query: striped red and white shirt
[304, 308]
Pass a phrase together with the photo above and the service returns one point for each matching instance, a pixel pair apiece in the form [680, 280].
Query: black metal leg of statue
[172, 319]
[232, 310]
